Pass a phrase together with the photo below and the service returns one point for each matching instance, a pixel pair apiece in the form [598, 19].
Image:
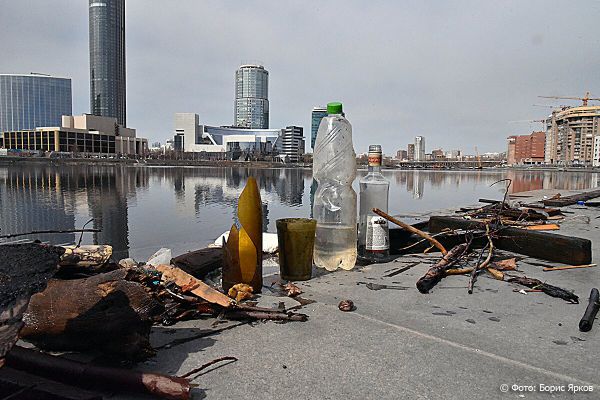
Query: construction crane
[542, 121]
[562, 106]
[583, 99]
[478, 158]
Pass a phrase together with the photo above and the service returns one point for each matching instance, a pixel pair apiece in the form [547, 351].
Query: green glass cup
[296, 238]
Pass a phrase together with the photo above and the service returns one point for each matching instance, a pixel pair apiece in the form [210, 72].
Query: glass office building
[317, 115]
[31, 101]
[251, 107]
[107, 59]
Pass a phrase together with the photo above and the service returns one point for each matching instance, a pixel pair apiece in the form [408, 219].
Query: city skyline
[495, 74]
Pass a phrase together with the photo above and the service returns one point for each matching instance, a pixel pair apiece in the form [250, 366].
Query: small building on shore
[526, 149]
[237, 143]
[83, 135]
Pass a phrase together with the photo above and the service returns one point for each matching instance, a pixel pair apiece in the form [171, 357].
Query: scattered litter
[550, 290]
[586, 323]
[269, 242]
[346, 305]
[128, 263]
[292, 290]
[241, 292]
[161, 257]
[376, 286]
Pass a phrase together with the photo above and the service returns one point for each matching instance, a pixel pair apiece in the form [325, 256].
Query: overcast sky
[454, 72]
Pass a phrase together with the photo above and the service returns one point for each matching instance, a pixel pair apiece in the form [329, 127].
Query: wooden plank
[488, 201]
[568, 200]
[188, 283]
[543, 245]
[543, 227]
[199, 263]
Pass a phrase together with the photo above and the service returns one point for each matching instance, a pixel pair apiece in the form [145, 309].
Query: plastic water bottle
[334, 169]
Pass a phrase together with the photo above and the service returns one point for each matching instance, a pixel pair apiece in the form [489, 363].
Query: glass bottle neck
[374, 169]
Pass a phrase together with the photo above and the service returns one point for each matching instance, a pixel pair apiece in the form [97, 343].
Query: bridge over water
[433, 164]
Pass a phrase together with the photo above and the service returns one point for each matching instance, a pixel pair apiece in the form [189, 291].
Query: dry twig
[208, 364]
[411, 229]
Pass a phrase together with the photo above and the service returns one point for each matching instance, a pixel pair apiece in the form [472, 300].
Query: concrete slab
[403, 344]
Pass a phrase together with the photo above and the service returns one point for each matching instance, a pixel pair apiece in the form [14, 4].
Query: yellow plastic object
[243, 250]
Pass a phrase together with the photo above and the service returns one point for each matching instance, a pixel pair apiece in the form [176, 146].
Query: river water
[140, 209]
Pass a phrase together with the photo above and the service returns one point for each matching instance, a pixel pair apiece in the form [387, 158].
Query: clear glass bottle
[334, 208]
[373, 232]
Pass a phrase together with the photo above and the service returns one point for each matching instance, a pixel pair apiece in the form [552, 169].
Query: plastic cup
[296, 238]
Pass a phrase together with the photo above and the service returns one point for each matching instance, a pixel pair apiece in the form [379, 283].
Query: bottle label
[377, 234]
[374, 159]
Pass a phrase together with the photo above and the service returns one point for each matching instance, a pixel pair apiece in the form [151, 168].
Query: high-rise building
[410, 152]
[401, 155]
[316, 116]
[419, 148]
[292, 143]
[438, 154]
[570, 135]
[251, 108]
[526, 149]
[30, 101]
[107, 59]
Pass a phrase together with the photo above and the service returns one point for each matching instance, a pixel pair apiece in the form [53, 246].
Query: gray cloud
[454, 72]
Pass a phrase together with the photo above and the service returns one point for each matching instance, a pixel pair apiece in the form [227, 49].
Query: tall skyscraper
[317, 115]
[419, 148]
[107, 59]
[251, 108]
[31, 101]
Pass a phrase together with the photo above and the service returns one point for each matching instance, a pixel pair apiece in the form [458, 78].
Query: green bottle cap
[334, 108]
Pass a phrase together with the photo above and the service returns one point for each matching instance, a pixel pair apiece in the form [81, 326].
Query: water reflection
[140, 209]
[48, 198]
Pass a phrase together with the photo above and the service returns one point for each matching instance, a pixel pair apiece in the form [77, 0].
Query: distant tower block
[251, 106]
[107, 59]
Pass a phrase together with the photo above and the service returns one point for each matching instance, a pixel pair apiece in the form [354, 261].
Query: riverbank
[7, 161]
[11, 160]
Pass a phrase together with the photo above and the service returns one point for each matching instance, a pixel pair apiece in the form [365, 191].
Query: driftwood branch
[208, 364]
[411, 229]
[569, 267]
[81, 236]
[485, 263]
[84, 375]
[474, 272]
[274, 316]
[550, 290]
[12, 235]
[438, 271]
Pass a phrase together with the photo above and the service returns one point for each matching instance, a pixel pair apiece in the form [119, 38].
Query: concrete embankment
[148, 162]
